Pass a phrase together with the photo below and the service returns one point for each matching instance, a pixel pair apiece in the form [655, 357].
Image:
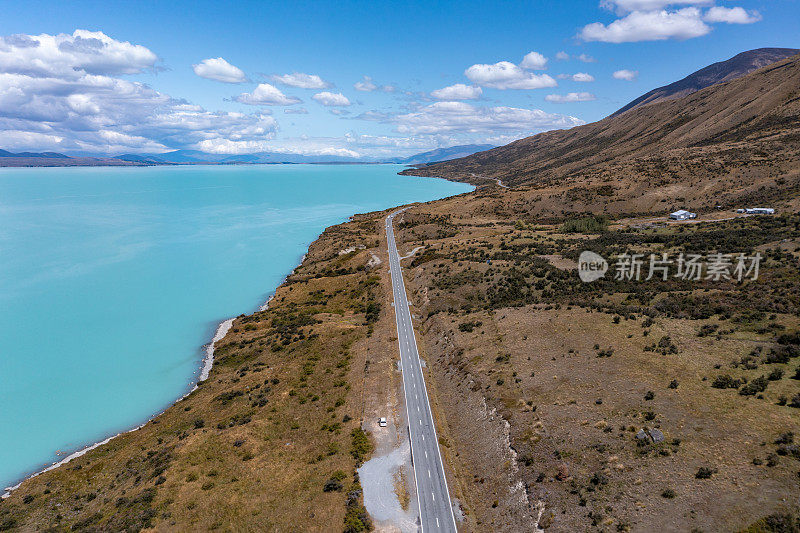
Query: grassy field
[578, 370]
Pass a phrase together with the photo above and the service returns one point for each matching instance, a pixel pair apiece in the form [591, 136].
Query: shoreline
[206, 364]
[205, 369]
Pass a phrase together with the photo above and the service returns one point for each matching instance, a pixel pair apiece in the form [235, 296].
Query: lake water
[113, 279]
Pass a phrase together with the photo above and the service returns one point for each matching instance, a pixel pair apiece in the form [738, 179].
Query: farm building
[682, 214]
[759, 211]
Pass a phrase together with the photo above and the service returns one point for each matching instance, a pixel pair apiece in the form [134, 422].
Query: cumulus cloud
[507, 75]
[296, 111]
[569, 97]
[586, 58]
[562, 56]
[59, 92]
[266, 94]
[582, 77]
[459, 91]
[300, 80]
[625, 74]
[733, 15]
[331, 99]
[443, 117]
[219, 70]
[637, 26]
[534, 61]
[72, 56]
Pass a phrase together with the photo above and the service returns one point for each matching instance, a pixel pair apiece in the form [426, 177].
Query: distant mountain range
[43, 155]
[731, 69]
[443, 154]
[184, 157]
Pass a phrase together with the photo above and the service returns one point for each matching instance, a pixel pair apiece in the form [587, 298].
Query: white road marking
[413, 373]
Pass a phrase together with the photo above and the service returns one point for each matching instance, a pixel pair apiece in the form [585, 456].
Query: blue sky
[107, 77]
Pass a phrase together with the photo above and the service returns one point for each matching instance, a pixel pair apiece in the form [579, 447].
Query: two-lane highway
[435, 508]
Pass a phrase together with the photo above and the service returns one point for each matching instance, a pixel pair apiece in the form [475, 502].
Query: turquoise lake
[113, 279]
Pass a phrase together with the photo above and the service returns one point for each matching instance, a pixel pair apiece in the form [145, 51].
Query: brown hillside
[722, 71]
[744, 118]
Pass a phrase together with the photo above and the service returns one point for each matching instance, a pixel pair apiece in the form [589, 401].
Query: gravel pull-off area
[377, 478]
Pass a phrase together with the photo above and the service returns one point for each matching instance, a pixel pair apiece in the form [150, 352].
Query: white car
[382, 422]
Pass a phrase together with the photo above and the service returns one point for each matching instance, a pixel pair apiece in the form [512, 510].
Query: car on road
[382, 422]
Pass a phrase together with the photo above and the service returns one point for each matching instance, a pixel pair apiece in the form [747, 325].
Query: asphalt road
[435, 507]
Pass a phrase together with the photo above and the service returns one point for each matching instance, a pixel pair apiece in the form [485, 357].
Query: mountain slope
[137, 158]
[742, 119]
[43, 155]
[443, 154]
[196, 156]
[733, 68]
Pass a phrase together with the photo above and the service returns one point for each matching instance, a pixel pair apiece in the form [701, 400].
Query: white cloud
[534, 61]
[442, 117]
[582, 77]
[105, 114]
[507, 75]
[331, 99]
[365, 85]
[66, 98]
[682, 24]
[72, 56]
[625, 74]
[374, 115]
[302, 81]
[733, 15]
[266, 94]
[626, 6]
[459, 91]
[570, 97]
[219, 70]
[563, 56]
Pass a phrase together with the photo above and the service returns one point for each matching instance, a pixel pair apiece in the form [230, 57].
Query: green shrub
[361, 445]
[757, 385]
[725, 381]
[704, 472]
[592, 224]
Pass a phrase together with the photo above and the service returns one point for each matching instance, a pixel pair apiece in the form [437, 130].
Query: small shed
[682, 214]
[759, 211]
